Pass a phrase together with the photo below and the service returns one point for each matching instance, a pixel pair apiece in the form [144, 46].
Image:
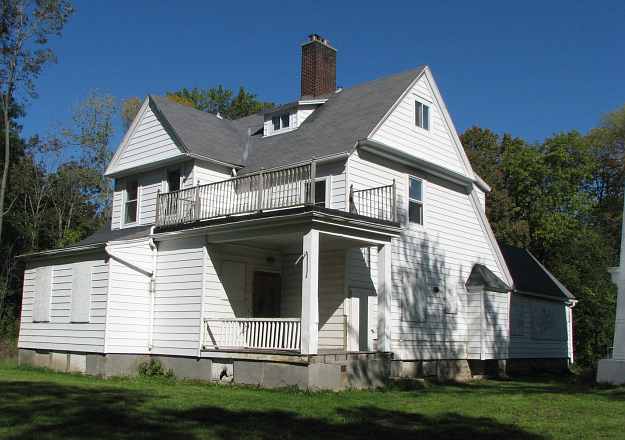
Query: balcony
[266, 191]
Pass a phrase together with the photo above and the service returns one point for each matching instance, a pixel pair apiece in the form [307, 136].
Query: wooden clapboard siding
[150, 184]
[178, 297]
[335, 172]
[534, 334]
[434, 145]
[128, 313]
[59, 333]
[442, 252]
[148, 142]
[206, 172]
[331, 296]
[362, 278]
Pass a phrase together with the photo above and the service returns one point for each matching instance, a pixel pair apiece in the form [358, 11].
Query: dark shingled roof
[333, 128]
[530, 276]
[105, 235]
[483, 276]
[198, 132]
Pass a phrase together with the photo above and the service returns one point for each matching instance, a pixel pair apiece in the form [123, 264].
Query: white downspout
[154, 250]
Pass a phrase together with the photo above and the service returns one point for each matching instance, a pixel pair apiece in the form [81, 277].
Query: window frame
[125, 221]
[419, 124]
[328, 184]
[280, 118]
[421, 202]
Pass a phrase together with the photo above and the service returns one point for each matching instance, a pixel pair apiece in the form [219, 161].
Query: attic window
[131, 205]
[422, 115]
[280, 122]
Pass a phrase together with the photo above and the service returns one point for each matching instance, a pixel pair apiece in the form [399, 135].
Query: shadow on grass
[48, 410]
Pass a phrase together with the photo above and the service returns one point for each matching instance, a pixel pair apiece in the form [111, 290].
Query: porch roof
[282, 227]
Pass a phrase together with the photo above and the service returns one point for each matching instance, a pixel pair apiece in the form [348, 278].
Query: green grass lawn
[44, 405]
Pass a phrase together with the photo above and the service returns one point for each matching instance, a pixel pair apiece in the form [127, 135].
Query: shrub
[154, 368]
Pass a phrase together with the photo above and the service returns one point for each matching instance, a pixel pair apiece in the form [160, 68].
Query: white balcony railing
[252, 333]
[262, 191]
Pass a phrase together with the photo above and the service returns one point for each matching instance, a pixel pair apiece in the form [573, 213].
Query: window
[81, 291]
[280, 122]
[131, 205]
[415, 201]
[320, 192]
[173, 180]
[422, 115]
[285, 120]
[42, 290]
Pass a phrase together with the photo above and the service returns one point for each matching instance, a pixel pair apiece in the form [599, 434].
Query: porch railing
[252, 333]
[378, 203]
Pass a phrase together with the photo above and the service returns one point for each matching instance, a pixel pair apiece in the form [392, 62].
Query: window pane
[416, 189]
[131, 212]
[276, 122]
[415, 212]
[426, 117]
[320, 193]
[418, 113]
[285, 120]
[131, 190]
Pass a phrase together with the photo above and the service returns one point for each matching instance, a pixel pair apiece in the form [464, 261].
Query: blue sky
[528, 68]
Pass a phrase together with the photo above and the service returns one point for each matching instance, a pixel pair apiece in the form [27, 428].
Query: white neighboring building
[612, 369]
[331, 242]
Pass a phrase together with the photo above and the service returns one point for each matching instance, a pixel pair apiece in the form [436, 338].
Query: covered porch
[297, 284]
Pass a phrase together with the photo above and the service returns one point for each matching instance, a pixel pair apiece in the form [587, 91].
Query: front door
[267, 295]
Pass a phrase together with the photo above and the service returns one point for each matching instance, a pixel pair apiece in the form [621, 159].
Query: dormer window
[280, 122]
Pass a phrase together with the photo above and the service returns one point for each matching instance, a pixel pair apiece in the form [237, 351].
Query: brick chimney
[318, 67]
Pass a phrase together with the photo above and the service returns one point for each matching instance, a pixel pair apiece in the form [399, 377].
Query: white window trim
[292, 124]
[429, 104]
[423, 197]
[125, 224]
[328, 181]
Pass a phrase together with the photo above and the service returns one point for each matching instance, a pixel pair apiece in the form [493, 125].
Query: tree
[130, 108]
[25, 27]
[90, 137]
[220, 100]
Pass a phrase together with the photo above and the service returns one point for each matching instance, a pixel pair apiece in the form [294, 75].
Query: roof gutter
[60, 252]
[388, 152]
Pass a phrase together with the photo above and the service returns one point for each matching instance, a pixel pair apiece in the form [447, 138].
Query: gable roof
[483, 276]
[334, 128]
[530, 276]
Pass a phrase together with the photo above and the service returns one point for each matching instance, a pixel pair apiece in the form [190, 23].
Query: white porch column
[384, 297]
[310, 293]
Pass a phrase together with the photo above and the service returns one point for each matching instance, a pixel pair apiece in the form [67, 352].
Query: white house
[331, 242]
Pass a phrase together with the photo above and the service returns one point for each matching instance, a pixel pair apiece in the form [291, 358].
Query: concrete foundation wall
[611, 371]
[320, 372]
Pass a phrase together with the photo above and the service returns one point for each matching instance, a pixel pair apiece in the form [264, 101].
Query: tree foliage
[25, 27]
[217, 100]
